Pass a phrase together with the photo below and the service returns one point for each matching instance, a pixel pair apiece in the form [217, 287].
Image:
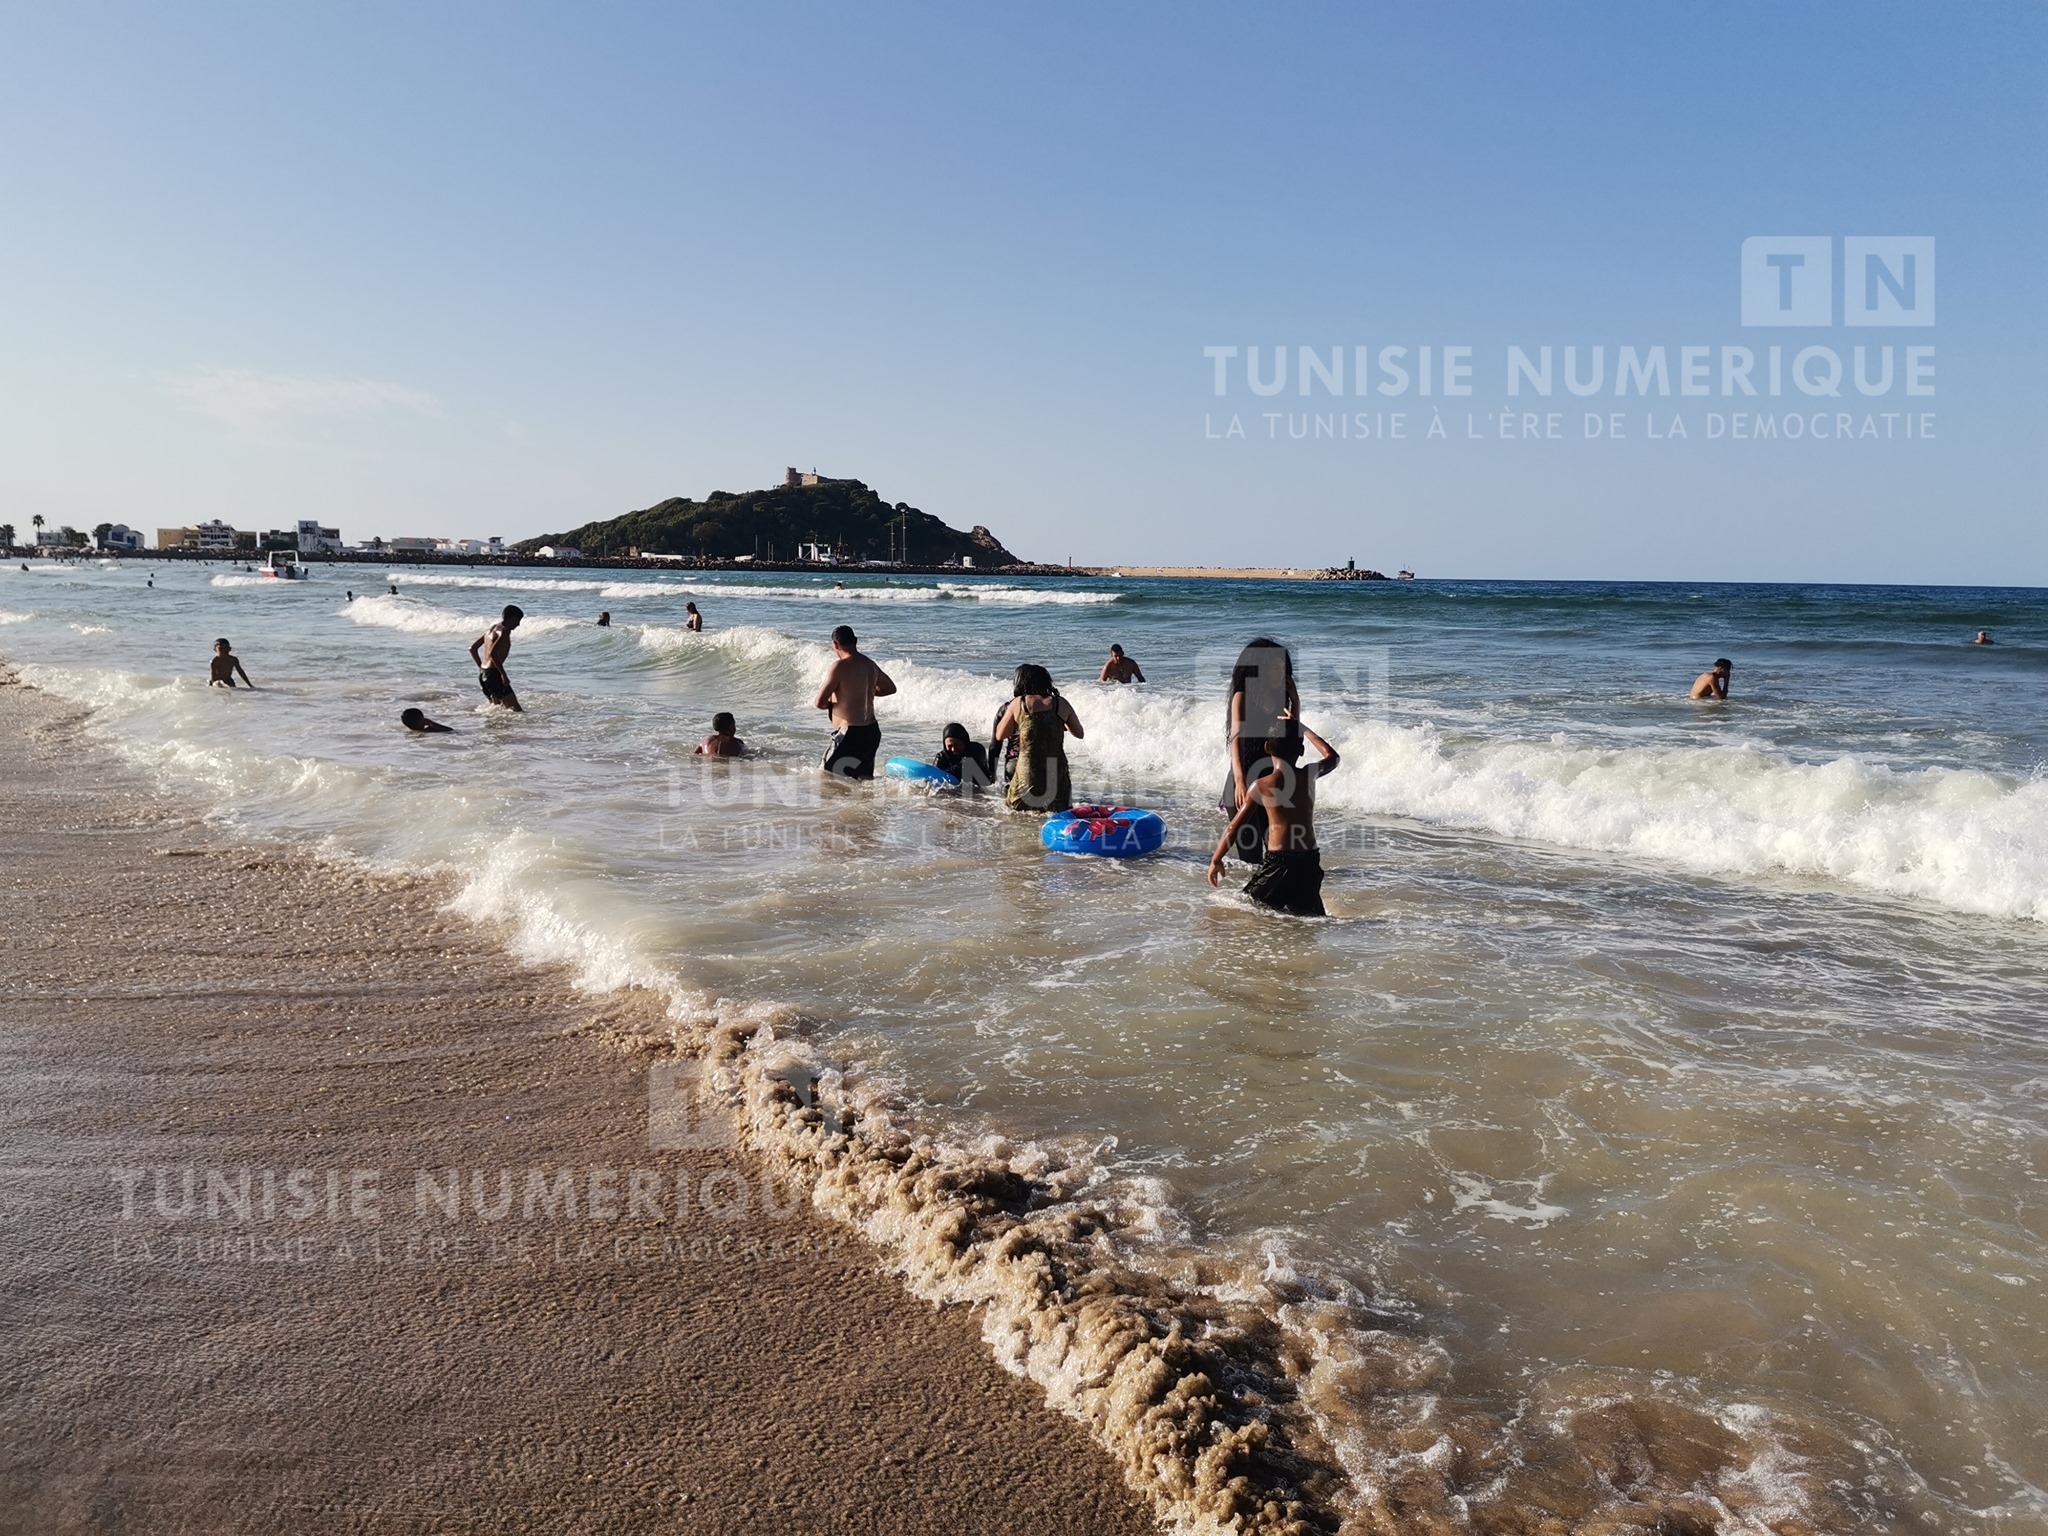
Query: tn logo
[1790, 280]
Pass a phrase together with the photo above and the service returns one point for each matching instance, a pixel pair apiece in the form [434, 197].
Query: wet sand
[310, 1356]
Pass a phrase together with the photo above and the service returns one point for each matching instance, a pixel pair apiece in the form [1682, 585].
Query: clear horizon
[476, 273]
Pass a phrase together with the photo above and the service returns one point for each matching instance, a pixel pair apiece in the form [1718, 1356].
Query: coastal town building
[558, 552]
[120, 539]
[405, 544]
[312, 539]
[794, 478]
[210, 537]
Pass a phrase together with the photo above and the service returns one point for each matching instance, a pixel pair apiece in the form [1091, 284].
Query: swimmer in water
[722, 742]
[1713, 684]
[415, 720]
[604, 620]
[1120, 668]
[1983, 638]
[221, 674]
[693, 621]
[394, 590]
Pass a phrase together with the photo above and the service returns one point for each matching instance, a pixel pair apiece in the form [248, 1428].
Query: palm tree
[6, 535]
[38, 521]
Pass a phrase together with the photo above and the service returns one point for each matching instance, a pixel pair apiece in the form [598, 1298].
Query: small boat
[286, 567]
[1404, 576]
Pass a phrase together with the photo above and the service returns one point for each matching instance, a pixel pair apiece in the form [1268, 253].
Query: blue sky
[473, 270]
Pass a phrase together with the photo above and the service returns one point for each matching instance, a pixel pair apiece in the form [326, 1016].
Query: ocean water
[1666, 1096]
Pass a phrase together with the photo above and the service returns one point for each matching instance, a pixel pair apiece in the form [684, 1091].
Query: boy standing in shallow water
[225, 665]
[489, 650]
[1290, 876]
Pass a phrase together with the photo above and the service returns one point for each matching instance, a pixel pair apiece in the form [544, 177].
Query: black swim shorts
[1289, 882]
[494, 684]
[852, 753]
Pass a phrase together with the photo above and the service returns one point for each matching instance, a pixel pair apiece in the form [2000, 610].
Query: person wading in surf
[1040, 720]
[1290, 873]
[849, 693]
[1713, 684]
[489, 650]
[1262, 700]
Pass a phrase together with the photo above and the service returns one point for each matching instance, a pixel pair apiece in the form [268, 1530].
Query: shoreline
[698, 1346]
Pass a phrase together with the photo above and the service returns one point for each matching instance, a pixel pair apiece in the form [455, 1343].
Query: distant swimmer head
[1032, 679]
[723, 723]
[604, 620]
[512, 615]
[1723, 665]
[845, 639]
[1983, 637]
[412, 719]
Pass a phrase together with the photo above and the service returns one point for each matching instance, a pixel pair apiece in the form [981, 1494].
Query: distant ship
[1404, 575]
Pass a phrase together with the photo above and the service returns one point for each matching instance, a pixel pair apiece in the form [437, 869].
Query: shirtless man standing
[489, 650]
[1714, 684]
[1120, 668]
[1290, 877]
[849, 693]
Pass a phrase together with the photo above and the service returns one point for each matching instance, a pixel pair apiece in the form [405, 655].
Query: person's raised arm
[1073, 721]
[884, 684]
[476, 646]
[245, 673]
[1137, 673]
[1105, 677]
[828, 691]
[1329, 753]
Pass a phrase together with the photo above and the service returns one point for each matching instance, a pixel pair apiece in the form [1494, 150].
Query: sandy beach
[306, 1343]
[1216, 572]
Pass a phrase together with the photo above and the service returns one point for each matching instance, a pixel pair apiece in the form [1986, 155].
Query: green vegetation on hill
[770, 524]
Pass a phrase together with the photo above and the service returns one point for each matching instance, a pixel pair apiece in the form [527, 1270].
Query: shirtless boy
[1713, 684]
[221, 673]
[722, 742]
[1120, 668]
[848, 694]
[489, 650]
[1290, 877]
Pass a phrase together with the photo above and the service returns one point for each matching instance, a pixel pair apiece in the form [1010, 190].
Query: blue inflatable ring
[918, 773]
[1108, 831]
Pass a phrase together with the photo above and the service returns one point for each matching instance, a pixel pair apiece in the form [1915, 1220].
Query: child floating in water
[722, 742]
[225, 665]
[415, 720]
[964, 758]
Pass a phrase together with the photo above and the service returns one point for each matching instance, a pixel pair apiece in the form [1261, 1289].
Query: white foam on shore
[9, 616]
